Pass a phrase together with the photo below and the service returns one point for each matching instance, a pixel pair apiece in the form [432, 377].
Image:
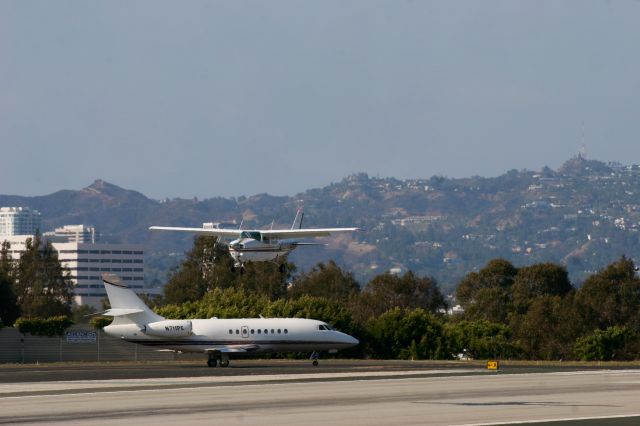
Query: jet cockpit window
[325, 327]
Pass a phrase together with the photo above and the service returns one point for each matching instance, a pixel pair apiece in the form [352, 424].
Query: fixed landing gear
[215, 360]
[314, 356]
[235, 268]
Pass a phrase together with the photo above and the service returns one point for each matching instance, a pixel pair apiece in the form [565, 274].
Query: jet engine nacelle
[169, 328]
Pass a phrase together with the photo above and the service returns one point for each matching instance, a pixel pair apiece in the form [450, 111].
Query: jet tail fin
[124, 302]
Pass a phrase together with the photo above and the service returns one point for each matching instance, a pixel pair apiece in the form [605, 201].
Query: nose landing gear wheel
[212, 362]
[224, 363]
[315, 363]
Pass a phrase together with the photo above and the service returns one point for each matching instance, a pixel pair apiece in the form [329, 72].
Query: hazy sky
[209, 98]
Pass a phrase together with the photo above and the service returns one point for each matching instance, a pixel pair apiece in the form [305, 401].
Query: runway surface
[340, 392]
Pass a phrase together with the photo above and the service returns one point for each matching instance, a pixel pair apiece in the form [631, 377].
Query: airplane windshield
[325, 327]
[251, 234]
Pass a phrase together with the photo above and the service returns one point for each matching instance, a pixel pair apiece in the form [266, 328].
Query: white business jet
[257, 245]
[133, 321]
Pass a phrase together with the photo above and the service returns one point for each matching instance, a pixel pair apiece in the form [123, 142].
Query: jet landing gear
[218, 359]
[314, 356]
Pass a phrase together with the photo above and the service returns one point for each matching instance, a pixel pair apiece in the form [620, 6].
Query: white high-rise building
[73, 234]
[18, 221]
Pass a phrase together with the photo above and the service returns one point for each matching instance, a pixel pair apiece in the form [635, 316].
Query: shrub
[100, 322]
[603, 345]
[50, 327]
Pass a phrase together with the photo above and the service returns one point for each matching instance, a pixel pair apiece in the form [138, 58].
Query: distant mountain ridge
[584, 215]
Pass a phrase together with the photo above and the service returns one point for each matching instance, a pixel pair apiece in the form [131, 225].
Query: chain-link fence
[78, 343]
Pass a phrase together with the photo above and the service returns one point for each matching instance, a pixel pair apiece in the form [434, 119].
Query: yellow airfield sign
[493, 365]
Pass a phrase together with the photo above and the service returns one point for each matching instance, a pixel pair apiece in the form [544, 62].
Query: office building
[88, 261]
[73, 234]
[18, 221]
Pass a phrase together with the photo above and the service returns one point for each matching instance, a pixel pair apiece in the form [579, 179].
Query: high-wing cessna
[259, 245]
[134, 322]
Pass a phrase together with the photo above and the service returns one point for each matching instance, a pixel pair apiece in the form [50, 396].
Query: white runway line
[563, 419]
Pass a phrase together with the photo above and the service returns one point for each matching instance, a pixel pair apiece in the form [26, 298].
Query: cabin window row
[260, 331]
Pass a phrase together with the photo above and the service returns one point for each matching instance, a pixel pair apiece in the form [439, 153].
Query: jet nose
[350, 340]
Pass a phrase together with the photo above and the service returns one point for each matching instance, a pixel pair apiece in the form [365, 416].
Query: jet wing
[305, 233]
[224, 233]
[232, 348]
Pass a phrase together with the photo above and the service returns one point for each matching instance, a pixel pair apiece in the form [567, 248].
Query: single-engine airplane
[133, 321]
[259, 245]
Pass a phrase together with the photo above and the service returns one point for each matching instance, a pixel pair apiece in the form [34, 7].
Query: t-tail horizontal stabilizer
[124, 302]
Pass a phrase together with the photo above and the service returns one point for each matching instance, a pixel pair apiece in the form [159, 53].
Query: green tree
[43, 286]
[541, 279]
[605, 345]
[497, 274]
[192, 279]
[407, 333]
[82, 314]
[9, 310]
[544, 331]
[264, 278]
[221, 303]
[325, 280]
[388, 291]
[611, 297]
[208, 265]
[313, 307]
[491, 304]
[480, 339]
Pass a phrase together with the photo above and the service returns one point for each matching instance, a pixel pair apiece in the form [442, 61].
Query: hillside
[584, 215]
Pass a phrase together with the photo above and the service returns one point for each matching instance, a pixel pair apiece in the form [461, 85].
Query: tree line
[531, 312]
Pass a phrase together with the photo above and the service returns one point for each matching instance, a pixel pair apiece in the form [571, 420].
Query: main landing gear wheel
[212, 362]
[224, 363]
